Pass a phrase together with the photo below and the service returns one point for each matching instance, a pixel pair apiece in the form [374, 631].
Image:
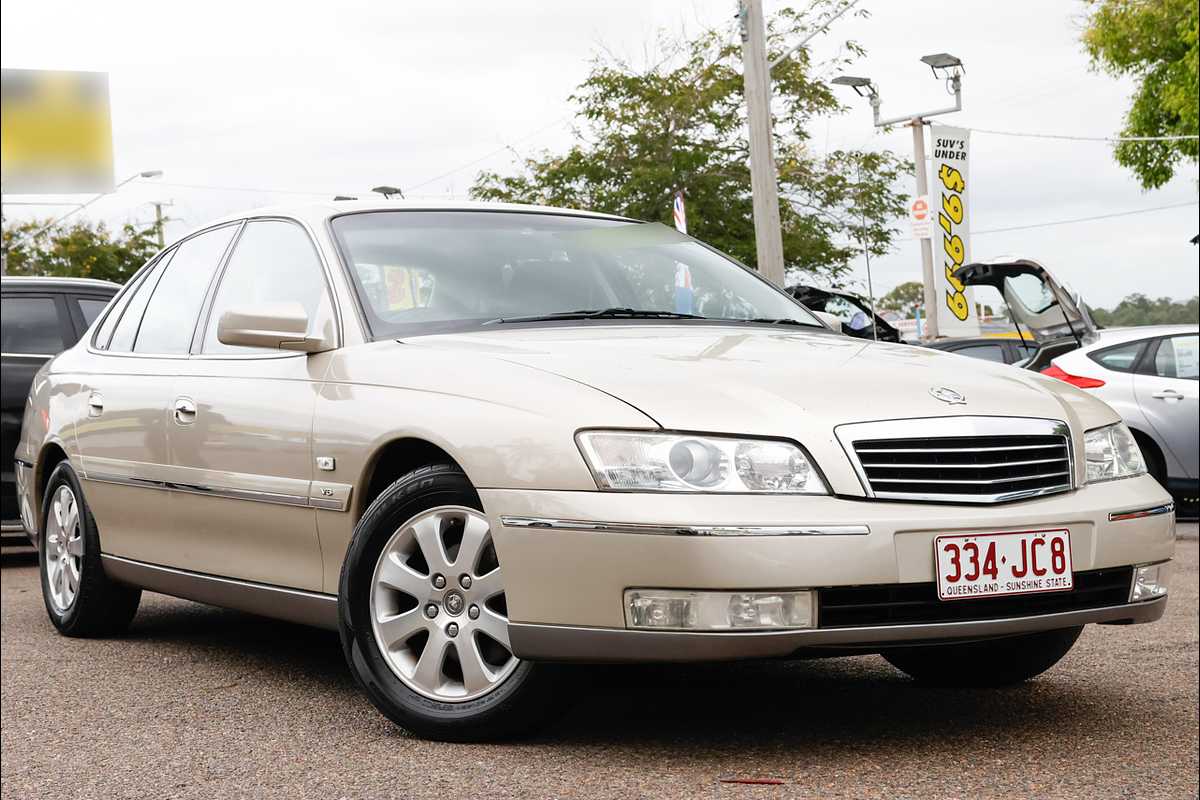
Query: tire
[472, 689]
[989, 663]
[80, 598]
[1155, 463]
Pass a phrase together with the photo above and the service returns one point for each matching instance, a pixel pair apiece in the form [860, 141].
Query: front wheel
[990, 663]
[423, 617]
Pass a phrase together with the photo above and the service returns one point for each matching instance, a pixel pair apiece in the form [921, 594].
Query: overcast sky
[298, 101]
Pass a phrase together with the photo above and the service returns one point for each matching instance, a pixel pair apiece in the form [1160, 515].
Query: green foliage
[904, 298]
[1155, 42]
[78, 250]
[1137, 309]
[644, 133]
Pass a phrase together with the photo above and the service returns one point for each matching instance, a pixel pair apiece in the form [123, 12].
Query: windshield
[436, 271]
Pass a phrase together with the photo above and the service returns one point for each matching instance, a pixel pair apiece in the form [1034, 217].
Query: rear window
[30, 326]
[1120, 358]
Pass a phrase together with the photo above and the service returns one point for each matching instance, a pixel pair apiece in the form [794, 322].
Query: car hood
[757, 380]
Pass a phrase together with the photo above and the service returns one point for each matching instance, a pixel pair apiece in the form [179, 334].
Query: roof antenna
[388, 191]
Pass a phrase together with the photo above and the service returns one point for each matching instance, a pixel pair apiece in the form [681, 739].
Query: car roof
[317, 213]
[51, 282]
[1110, 336]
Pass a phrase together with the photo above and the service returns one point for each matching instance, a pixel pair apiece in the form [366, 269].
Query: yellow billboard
[55, 132]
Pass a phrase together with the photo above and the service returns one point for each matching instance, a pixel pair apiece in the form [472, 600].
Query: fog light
[1150, 581]
[684, 610]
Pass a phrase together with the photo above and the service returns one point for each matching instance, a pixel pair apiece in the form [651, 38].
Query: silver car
[480, 439]
[1149, 375]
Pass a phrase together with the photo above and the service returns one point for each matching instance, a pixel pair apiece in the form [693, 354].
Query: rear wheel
[423, 616]
[80, 598]
[994, 662]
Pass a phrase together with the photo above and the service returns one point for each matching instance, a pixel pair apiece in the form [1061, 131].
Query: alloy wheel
[437, 606]
[64, 549]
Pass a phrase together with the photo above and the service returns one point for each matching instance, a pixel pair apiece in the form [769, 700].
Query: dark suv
[39, 318]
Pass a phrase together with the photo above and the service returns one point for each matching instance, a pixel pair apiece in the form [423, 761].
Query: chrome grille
[988, 460]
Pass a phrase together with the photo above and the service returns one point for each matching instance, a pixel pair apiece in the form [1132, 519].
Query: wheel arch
[391, 460]
[1149, 445]
[50, 456]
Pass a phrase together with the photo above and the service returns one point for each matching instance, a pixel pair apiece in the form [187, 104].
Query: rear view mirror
[283, 326]
[829, 319]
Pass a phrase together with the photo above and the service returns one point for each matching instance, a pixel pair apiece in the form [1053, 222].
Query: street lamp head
[944, 65]
[388, 191]
[151, 173]
[861, 86]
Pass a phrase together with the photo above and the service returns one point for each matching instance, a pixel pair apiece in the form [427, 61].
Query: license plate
[997, 564]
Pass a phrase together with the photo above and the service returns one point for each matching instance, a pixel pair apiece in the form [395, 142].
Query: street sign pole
[931, 299]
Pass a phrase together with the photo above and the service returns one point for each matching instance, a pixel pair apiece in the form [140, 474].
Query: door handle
[95, 404]
[185, 410]
[1168, 394]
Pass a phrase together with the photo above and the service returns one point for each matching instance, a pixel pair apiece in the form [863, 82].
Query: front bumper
[565, 583]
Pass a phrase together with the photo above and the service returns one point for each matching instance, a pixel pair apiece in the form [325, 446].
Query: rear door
[1166, 389]
[144, 342]
[34, 326]
[240, 428]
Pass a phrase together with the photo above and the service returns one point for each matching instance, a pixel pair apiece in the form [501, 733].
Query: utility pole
[159, 220]
[768, 239]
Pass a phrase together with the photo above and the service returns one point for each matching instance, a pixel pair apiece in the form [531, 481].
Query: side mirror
[283, 326]
[829, 319]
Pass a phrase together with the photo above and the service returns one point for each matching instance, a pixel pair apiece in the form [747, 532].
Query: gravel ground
[199, 702]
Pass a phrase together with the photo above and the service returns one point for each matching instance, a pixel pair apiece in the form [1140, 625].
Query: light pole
[949, 68]
[150, 173]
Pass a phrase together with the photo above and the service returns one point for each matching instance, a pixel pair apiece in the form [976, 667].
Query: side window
[170, 318]
[987, 352]
[273, 262]
[1120, 358]
[30, 325]
[90, 308]
[121, 325]
[1177, 357]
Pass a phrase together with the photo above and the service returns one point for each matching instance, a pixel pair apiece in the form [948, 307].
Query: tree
[1155, 42]
[1137, 309]
[78, 250]
[643, 134]
[904, 298]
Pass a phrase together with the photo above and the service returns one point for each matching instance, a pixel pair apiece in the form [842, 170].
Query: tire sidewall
[419, 491]
[64, 474]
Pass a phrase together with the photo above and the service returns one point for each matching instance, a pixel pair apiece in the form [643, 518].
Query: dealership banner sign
[949, 188]
[55, 132]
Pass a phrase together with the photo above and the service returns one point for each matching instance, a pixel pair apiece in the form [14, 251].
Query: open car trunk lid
[1037, 301]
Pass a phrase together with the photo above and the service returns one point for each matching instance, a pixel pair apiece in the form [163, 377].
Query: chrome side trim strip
[338, 500]
[1152, 511]
[279, 602]
[567, 643]
[683, 530]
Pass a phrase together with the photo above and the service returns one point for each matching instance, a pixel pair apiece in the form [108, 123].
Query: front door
[240, 423]
[1166, 390]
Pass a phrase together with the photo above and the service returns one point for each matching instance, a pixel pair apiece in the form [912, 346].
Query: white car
[1149, 375]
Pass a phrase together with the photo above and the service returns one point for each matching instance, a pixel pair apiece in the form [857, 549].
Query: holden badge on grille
[948, 395]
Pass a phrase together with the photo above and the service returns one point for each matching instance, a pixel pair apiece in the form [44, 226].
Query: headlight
[1112, 452]
[673, 462]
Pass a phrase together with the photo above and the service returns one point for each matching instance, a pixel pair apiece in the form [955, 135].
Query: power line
[1085, 138]
[497, 151]
[1084, 219]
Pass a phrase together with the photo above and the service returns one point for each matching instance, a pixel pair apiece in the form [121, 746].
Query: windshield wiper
[781, 321]
[597, 313]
